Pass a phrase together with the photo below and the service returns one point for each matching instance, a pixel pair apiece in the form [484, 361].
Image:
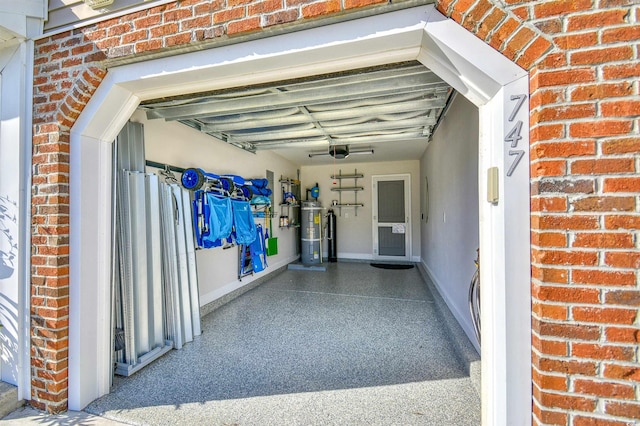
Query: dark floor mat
[392, 265]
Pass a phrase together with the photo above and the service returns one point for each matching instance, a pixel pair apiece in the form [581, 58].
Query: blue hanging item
[245, 228]
[257, 251]
[220, 219]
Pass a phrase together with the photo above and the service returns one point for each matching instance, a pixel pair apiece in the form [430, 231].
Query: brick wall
[583, 61]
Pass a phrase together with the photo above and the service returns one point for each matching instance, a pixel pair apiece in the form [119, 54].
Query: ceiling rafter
[372, 106]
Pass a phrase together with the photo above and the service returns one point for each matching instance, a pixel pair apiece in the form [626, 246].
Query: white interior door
[392, 217]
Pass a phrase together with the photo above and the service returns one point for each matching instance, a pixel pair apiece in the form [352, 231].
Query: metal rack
[355, 189]
[290, 210]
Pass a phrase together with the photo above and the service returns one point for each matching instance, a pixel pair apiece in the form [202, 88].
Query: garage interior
[387, 122]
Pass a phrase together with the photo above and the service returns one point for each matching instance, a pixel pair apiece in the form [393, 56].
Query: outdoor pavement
[353, 345]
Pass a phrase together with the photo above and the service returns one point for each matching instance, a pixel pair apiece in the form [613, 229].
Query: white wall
[450, 233]
[354, 231]
[178, 145]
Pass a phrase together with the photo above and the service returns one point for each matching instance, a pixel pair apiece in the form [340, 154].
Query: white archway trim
[474, 69]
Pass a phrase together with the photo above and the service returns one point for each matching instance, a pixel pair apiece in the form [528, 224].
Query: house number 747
[515, 134]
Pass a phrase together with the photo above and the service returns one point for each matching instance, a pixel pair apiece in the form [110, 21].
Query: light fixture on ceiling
[340, 152]
[97, 4]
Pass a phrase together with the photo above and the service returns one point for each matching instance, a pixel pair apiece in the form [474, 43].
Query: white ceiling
[391, 111]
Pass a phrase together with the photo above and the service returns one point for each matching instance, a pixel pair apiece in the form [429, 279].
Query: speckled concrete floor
[353, 345]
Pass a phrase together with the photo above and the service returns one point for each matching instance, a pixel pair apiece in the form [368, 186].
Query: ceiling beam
[307, 97]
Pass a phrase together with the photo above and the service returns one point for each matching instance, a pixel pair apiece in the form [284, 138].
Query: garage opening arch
[495, 85]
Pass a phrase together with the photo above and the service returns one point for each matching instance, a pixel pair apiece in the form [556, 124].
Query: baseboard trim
[465, 349]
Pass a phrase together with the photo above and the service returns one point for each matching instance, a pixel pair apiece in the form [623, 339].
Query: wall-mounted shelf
[289, 210]
[355, 189]
[348, 188]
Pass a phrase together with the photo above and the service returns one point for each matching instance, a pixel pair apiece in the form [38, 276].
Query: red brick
[596, 277]
[600, 56]
[622, 372]
[622, 222]
[622, 335]
[549, 204]
[145, 46]
[564, 186]
[617, 35]
[548, 417]
[596, 20]
[177, 14]
[549, 26]
[508, 26]
[552, 61]
[281, 17]
[550, 382]
[565, 222]
[147, 22]
[264, 7]
[623, 409]
[604, 204]
[546, 97]
[621, 146]
[559, 257]
[568, 331]
[566, 401]
[460, 7]
[198, 22]
[592, 421]
[565, 112]
[162, 30]
[549, 168]
[519, 40]
[474, 17]
[560, 7]
[603, 166]
[321, 8]
[601, 91]
[603, 389]
[602, 240]
[565, 77]
[623, 297]
[586, 368]
[628, 184]
[621, 108]
[599, 352]
[243, 26]
[568, 294]
[601, 128]
[547, 311]
[549, 239]
[352, 4]
[576, 41]
[615, 72]
[491, 21]
[177, 39]
[563, 149]
[606, 315]
[229, 15]
[550, 275]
